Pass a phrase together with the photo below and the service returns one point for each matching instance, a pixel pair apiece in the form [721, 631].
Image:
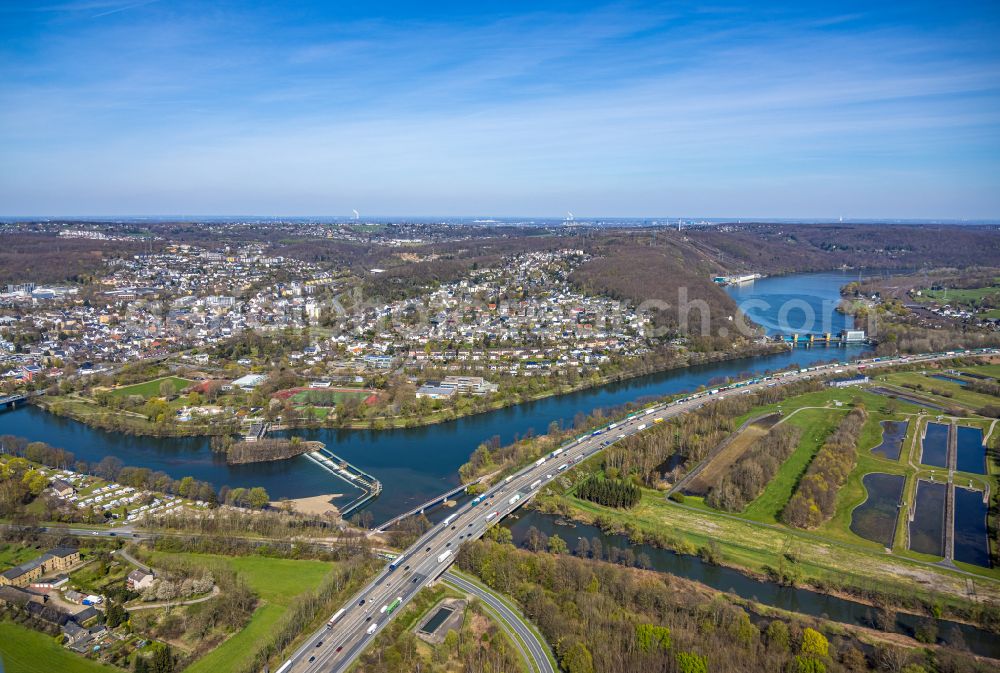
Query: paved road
[334, 647]
[134, 561]
[511, 620]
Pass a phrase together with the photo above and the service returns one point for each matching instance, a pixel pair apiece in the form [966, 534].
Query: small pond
[893, 433]
[927, 527]
[971, 452]
[875, 518]
[949, 379]
[971, 541]
[935, 445]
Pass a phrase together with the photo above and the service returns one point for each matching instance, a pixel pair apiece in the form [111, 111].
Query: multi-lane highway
[352, 628]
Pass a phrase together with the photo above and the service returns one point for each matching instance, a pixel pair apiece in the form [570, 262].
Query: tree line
[690, 436]
[815, 498]
[604, 617]
[749, 476]
[112, 468]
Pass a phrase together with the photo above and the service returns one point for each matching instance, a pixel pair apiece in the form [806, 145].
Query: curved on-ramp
[535, 650]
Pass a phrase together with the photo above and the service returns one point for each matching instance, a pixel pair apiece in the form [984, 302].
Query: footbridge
[337, 466]
[419, 509]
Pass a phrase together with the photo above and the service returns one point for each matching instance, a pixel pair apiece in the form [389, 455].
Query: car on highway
[361, 602]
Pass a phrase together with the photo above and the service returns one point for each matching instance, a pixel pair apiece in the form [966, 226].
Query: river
[794, 599]
[418, 463]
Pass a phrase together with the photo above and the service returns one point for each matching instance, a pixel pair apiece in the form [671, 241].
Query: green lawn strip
[334, 396]
[516, 610]
[151, 388]
[986, 370]
[956, 392]
[15, 554]
[959, 296]
[238, 649]
[816, 425]
[827, 397]
[28, 651]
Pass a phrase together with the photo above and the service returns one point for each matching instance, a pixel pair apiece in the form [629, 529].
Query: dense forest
[609, 492]
[749, 475]
[815, 498]
[48, 258]
[601, 617]
[265, 450]
[788, 248]
[669, 277]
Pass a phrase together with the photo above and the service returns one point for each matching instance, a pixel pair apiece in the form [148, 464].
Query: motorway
[333, 647]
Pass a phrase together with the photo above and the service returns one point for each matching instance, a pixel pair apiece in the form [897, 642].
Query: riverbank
[796, 558]
[91, 413]
[316, 505]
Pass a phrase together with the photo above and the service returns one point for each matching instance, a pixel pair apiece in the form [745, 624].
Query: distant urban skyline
[789, 111]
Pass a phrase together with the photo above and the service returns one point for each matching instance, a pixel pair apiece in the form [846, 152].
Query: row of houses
[56, 559]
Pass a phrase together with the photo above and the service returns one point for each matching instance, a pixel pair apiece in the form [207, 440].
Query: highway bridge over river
[335, 646]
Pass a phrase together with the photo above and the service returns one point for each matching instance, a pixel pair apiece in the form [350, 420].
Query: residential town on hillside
[522, 317]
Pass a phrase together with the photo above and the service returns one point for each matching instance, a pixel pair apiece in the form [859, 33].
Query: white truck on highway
[515, 498]
[555, 453]
[535, 484]
[371, 629]
[444, 555]
[540, 460]
[333, 620]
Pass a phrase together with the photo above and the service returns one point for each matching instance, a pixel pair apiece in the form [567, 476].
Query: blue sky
[791, 109]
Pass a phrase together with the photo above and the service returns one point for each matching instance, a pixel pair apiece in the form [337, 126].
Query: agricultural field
[960, 296]
[148, 389]
[28, 651]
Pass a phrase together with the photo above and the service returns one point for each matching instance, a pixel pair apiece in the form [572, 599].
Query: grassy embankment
[276, 581]
[947, 393]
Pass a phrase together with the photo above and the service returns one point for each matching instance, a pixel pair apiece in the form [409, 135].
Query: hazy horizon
[125, 107]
